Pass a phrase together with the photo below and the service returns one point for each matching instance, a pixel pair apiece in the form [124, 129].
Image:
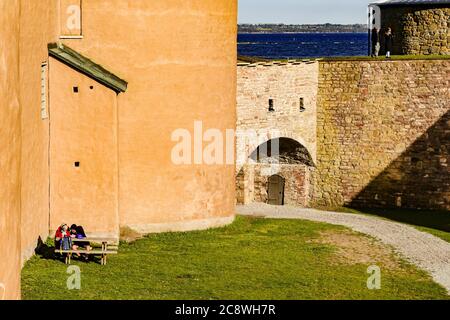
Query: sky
[303, 11]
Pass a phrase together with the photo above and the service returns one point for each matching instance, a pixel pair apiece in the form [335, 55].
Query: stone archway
[282, 157]
[282, 150]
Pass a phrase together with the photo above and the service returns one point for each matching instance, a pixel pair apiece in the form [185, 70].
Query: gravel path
[426, 251]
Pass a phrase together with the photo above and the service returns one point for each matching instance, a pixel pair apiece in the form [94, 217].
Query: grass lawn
[251, 259]
[434, 222]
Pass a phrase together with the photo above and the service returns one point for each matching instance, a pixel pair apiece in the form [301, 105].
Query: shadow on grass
[46, 251]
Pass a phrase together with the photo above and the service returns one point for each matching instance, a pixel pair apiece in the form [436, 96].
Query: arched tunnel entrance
[278, 172]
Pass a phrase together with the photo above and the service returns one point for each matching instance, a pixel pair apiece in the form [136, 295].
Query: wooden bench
[108, 246]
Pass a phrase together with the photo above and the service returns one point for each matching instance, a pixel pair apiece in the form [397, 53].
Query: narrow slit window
[302, 105]
[271, 105]
[44, 112]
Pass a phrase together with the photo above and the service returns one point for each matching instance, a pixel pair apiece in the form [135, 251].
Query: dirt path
[426, 251]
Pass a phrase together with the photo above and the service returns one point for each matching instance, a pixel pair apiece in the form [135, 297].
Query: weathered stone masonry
[384, 134]
[381, 129]
[293, 89]
[418, 29]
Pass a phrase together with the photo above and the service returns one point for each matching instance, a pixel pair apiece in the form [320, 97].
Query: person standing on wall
[375, 42]
[388, 42]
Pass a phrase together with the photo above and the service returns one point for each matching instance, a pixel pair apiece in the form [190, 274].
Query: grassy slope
[251, 259]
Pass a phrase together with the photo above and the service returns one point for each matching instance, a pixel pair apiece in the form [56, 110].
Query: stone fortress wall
[292, 88]
[383, 134]
[381, 130]
[418, 29]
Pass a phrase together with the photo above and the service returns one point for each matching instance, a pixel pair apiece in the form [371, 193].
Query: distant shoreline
[302, 28]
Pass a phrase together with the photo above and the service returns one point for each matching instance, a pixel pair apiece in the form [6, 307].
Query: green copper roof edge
[86, 66]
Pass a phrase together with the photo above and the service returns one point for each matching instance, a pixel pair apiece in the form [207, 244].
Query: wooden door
[276, 190]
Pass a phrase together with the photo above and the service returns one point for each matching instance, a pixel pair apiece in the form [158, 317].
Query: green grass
[251, 259]
[434, 222]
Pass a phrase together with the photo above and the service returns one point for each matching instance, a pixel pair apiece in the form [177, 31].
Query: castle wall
[178, 73]
[418, 30]
[38, 27]
[286, 84]
[383, 134]
[10, 151]
[83, 153]
[381, 131]
[179, 58]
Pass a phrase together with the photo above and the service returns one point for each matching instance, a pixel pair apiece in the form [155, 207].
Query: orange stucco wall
[70, 17]
[38, 27]
[10, 151]
[83, 129]
[179, 58]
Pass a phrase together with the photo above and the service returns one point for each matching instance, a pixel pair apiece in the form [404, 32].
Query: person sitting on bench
[61, 233]
[78, 233]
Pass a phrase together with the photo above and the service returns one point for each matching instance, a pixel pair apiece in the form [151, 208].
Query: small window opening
[302, 105]
[271, 108]
[77, 164]
[75, 89]
[91, 87]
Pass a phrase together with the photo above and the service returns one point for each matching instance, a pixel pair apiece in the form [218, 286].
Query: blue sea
[302, 45]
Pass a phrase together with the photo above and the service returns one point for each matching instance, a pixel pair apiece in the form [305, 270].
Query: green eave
[86, 66]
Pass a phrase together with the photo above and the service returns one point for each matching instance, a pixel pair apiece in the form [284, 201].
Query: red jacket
[59, 234]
